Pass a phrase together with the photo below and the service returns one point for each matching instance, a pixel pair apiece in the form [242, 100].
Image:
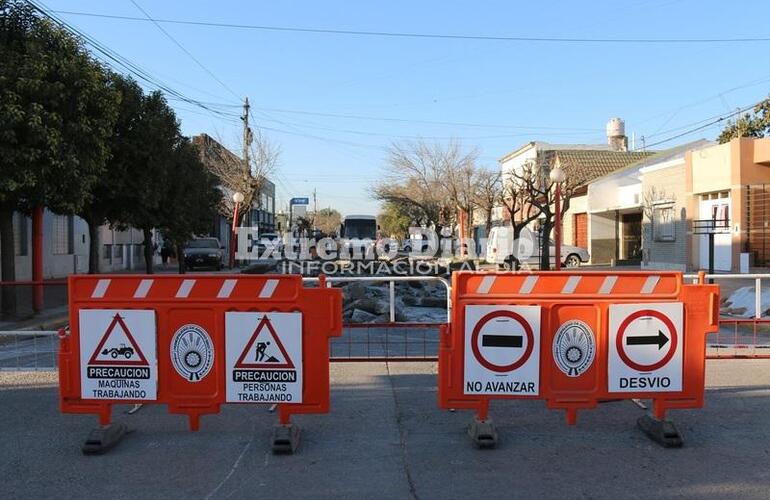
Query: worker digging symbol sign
[118, 354]
[645, 347]
[502, 350]
[264, 357]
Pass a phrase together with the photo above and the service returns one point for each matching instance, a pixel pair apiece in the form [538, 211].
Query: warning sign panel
[645, 347]
[264, 357]
[118, 357]
[502, 350]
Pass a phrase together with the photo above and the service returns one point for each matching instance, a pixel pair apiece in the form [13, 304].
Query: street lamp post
[557, 176]
[237, 198]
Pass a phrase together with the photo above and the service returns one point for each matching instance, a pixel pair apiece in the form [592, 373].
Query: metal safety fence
[744, 330]
[29, 350]
[392, 340]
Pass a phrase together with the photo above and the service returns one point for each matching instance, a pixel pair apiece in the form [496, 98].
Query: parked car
[500, 250]
[204, 252]
[270, 242]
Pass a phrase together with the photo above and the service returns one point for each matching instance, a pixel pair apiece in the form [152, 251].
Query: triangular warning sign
[264, 349]
[118, 347]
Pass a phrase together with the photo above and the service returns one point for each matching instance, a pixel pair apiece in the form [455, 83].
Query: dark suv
[204, 252]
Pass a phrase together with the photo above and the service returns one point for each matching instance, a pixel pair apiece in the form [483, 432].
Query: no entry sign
[502, 350]
[645, 347]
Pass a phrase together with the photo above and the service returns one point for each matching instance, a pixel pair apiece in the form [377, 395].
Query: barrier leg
[101, 439]
[660, 430]
[482, 430]
[285, 434]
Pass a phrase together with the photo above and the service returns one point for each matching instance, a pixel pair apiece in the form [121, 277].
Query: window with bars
[63, 229]
[663, 223]
[20, 235]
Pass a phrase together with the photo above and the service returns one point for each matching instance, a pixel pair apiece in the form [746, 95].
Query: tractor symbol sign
[122, 350]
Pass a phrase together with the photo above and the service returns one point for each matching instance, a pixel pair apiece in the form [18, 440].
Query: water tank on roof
[616, 127]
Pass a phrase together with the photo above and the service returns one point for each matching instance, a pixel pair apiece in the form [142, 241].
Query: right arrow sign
[645, 347]
[660, 339]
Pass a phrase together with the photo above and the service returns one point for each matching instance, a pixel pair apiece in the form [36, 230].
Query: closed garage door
[580, 230]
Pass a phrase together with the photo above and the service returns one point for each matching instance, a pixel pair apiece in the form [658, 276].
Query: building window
[20, 234]
[107, 252]
[663, 223]
[63, 228]
[117, 252]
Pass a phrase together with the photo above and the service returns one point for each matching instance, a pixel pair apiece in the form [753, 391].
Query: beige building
[680, 193]
[582, 164]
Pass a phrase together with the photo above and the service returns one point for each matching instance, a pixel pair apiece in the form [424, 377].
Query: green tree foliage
[395, 219]
[151, 162]
[191, 199]
[754, 124]
[56, 113]
[125, 146]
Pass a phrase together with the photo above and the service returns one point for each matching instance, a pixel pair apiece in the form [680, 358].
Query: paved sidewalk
[385, 438]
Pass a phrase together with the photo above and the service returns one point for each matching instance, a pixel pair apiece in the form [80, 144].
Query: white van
[500, 249]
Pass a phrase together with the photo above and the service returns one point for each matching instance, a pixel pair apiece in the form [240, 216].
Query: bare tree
[488, 191]
[327, 220]
[515, 194]
[234, 175]
[432, 181]
[537, 192]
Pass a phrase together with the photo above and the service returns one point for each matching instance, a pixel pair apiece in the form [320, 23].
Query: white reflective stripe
[268, 289]
[184, 289]
[528, 285]
[649, 285]
[608, 285]
[571, 284]
[100, 289]
[143, 289]
[227, 289]
[486, 284]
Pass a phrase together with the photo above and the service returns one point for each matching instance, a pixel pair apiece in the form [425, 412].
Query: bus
[358, 236]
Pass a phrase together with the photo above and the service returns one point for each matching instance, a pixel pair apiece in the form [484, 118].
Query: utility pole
[246, 136]
[315, 208]
[238, 196]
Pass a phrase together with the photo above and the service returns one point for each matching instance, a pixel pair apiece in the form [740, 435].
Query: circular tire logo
[574, 348]
[192, 352]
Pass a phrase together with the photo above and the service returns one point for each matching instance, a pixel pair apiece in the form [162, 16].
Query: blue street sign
[300, 201]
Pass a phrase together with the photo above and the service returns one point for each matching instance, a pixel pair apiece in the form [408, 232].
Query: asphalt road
[385, 438]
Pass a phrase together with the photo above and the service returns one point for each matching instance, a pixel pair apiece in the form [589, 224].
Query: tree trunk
[7, 263]
[545, 247]
[180, 259]
[148, 250]
[93, 245]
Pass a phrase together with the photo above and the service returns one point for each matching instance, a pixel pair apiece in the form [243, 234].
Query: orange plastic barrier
[576, 338]
[194, 342]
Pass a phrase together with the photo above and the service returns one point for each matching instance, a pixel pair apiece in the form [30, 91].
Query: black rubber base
[483, 433]
[663, 432]
[102, 439]
[285, 439]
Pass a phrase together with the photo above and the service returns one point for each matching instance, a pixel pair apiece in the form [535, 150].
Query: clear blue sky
[568, 89]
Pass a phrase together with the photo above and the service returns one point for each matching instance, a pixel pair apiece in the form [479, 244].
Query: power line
[183, 49]
[116, 60]
[707, 125]
[441, 36]
[427, 122]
